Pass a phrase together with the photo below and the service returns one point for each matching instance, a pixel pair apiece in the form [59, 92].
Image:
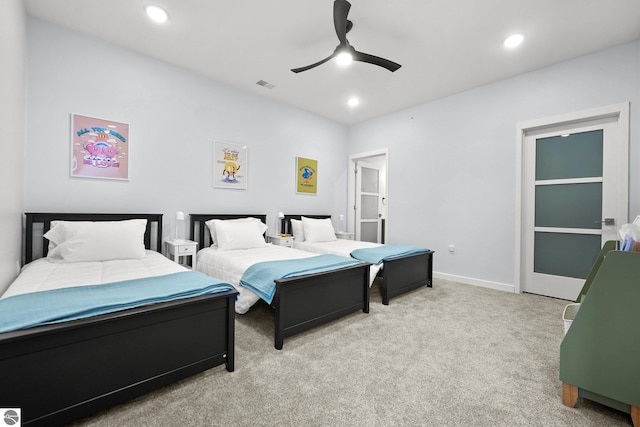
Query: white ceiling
[444, 46]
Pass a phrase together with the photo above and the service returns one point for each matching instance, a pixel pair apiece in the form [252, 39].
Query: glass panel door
[568, 203]
[367, 203]
[574, 196]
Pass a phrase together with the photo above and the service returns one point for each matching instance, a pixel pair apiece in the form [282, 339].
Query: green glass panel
[569, 205]
[369, 180]
[578, 155]
[569, 255]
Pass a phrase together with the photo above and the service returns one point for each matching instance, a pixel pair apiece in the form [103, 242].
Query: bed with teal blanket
[404, 267]
[66, 354]
[302, 297]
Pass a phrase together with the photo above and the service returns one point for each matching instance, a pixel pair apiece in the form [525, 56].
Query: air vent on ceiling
[265, 84]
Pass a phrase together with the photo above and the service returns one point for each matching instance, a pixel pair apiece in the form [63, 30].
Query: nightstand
[344, 235]
[281, 240]
[178, 248]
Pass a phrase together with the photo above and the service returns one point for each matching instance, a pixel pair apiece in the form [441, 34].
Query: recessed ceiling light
[156, 14]
[353, 101]
[513, 41]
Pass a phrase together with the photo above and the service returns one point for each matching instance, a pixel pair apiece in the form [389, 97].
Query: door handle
[607, 221]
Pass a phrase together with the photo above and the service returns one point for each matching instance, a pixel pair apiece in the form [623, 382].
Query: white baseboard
[475, 282]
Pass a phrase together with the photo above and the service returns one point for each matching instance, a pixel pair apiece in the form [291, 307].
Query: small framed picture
[99, 148]
[306, 176]
[230, 166]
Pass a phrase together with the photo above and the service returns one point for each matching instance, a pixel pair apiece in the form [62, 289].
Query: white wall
[174, 117]
[12, 113]
[452, 162]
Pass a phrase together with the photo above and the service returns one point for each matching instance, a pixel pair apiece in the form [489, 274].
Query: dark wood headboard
[198, 226]
[285, 223]
[34, 219]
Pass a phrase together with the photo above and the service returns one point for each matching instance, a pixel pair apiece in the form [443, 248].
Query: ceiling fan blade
[308, 67]
[340, 13]
[375, 60]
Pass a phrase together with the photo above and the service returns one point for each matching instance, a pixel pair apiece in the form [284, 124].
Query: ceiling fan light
[344, 59]
[156, 14]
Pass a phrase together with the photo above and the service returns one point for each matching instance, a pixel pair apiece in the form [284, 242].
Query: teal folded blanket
[61, 305]
[386, 252]
[261, 277]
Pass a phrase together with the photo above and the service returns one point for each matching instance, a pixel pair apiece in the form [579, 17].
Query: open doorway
[367, 202]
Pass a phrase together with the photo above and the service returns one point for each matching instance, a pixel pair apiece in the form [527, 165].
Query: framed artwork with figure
[99, 148]
[229, 166]
[306, 176]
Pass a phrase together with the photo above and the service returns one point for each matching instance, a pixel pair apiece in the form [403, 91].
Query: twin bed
[300, 302]
[400, 274]
[57, 372]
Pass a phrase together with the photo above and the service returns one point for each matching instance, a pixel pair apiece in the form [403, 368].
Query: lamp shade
[179, 236]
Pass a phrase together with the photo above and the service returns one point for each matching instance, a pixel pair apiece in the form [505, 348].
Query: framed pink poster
[99, 148]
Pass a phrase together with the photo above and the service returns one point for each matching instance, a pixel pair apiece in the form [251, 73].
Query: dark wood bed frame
[304, 302]
[60, 372]
[399, 275]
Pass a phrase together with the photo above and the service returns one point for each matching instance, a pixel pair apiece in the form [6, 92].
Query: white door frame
[351, 181]
[619, 111]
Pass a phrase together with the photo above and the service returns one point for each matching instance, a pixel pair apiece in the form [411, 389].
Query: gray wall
[174, 117]
[12, 114]
[452, 162]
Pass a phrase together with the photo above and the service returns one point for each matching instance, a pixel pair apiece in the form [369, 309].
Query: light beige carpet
[453, 355]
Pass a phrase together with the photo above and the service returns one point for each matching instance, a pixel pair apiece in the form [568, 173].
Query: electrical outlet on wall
[452, 248]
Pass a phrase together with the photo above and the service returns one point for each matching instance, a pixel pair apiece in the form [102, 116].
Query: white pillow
[211, 225]
[55, 234]
[297, 230]
[82, 241]
[233, 234]
[318, 230]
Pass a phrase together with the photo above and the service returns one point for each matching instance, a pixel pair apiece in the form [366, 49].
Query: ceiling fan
[342, 26]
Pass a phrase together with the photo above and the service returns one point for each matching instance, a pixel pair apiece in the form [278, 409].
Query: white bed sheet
[229, 266]
[342, 247]
[43, 275]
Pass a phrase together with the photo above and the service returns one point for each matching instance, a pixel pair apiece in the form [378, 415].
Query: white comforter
[42, 274]
[229, 266]
[341, 247]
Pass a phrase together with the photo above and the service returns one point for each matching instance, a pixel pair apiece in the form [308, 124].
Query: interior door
[367, 209]
[573, 184]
